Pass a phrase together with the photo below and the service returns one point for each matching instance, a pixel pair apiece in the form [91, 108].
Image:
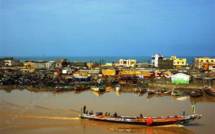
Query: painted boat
[140, 120]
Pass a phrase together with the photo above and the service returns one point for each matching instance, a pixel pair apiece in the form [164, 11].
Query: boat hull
[210, 92]
[144, 120]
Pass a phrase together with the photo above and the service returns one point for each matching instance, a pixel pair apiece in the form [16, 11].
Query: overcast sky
[107, 27]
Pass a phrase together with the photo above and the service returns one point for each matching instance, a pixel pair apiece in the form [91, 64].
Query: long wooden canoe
[147, 121]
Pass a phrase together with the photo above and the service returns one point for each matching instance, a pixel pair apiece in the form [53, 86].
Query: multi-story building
[9, 62]
[127, 62]
[155, 59]
[202, 62]
[165, 64]
[177, 62]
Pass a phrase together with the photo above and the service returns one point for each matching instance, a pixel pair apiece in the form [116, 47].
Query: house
[79, 65]
[178, 62]
[61, 63]
[108, 72]
[180, 78]
[33, 65]
[208, 67]
[155, 59]
[202, 61]
[165, 63]
[133, 72]
[127, 62]
[211, 67]
[107, 65]
[67, 70]
[81, 75]
[50, 65]
[9, 62]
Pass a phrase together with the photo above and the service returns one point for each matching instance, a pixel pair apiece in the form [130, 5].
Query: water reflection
[119, 128]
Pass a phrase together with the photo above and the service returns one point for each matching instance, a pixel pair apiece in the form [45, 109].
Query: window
[212, 60]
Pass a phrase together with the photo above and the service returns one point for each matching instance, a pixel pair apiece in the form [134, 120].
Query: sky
[107, 27]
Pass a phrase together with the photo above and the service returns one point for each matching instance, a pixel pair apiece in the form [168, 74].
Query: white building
[66, 70]
[8, 62]
[50, 64]
[127, 62]
[155, 59]
[180, 78]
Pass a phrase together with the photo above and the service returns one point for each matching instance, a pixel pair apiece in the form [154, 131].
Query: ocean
[97, 59]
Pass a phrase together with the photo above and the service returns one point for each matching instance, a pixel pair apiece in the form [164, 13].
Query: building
[9, 62]
[50, 65]
[208, 67]
[202, 61]
[79, 65]
[108, 72]
[127, 62]
[134, 72]
[180, 78]
[67, 70]
[107, 65]
[211, 67]
[178, 62]
[165, 64]
[33, 65]
[155, 59]
[61, 63]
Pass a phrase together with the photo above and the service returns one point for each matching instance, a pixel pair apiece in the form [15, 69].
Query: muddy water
[24, 112]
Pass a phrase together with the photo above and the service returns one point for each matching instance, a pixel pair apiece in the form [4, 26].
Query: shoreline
[125, 87]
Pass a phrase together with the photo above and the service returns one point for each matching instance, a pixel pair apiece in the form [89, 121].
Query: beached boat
[182, 98]
[196, 93]
[117, 87]
[141, 120]
[151, 91]
[176, 93]
[98, 88]
[210, 91]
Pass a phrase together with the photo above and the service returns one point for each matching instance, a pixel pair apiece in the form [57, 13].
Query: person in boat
[141, 116]
[91, 112]
[183, 113]
[115, 114]
[84, 109]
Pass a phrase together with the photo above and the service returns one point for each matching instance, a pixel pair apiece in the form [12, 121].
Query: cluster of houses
[201, 63]
[160, 66]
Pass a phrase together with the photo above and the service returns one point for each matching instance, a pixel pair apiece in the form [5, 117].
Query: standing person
[194, 108]
[84, 109]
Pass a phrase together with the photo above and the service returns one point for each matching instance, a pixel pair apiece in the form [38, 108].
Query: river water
[24, 112]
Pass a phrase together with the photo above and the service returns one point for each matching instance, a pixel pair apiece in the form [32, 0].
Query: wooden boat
[176, 93]
[98, 88]
[146, 121]
[196, 93]
[140, 120]
[140, 90]
[117, 87]
[151, 91]
[210, 91]
[183, 98]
